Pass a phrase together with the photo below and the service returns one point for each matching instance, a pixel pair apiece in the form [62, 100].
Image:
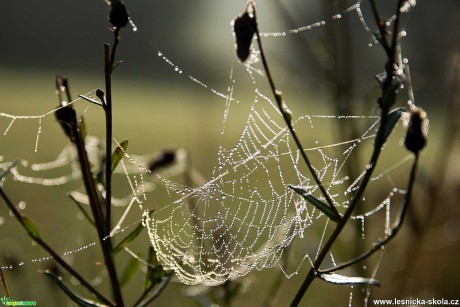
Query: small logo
[8, 301]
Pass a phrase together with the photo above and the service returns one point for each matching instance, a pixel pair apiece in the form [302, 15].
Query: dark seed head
[165, 159]
[118, 15]
[65, 114]
[67, 118]
[416, 135]
[244, 27]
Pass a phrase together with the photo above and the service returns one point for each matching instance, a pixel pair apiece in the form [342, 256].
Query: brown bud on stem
[416, 134]
[65, 114]
[118, 15]
[244, 27]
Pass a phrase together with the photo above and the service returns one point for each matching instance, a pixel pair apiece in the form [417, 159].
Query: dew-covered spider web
[245, 215]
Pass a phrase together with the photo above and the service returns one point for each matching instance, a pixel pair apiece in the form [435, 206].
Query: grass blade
[31, 228]
[130, 271]
[393, 118]
[74, 297]
[130, 237]
[323, 207]
[346, 280]
[117, 154]
[85, 214]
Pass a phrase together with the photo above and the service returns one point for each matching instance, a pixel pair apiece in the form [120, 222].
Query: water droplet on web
[22, 205]
[2, 220]
[74, 281]
[132, 25]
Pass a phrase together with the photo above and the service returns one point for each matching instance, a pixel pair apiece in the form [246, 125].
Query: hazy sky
[67, 35]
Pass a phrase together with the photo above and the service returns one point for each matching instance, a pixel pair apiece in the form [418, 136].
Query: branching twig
[53, 254]
[5, 285]
[287, 117]
[388, 93]
[393, 232]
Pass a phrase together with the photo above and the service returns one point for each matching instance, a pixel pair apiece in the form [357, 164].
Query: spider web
[246, 216]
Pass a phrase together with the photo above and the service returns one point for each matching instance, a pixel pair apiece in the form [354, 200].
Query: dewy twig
[109, 57]
[51, 251]
[287, 116]
[393, 232]
[387, 91]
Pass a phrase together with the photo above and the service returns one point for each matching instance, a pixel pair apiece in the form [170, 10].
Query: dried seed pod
[165, 159]
[65, 114]
[67, 117]
[416, 132]
[244, 28]
[118, 15]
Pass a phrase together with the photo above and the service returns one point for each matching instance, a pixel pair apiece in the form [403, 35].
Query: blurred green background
[327, 70]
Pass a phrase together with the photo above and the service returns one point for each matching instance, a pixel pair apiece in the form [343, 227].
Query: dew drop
[22, 205]
[80, 216]
[74, 281]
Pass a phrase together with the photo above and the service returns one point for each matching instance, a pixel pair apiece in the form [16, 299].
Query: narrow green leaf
[392, 120]
[31, 228]
[116, 65]
[152, 259]
[154, 276]
[91, 100]
[74, 297]
[317, 203]
[82, 128]
[150, 297]
[80, 207]
[128, 239]
[8, 169]
[117, 154]
[346, 280]
[130, 271]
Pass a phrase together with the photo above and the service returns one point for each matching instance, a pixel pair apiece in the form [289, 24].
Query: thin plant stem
[312, 274]
[393, 232]
[104, 238]
[379, 141]
[53, 254]
[439, 173]
[5, 285]
[156, 294]
[381, 26]
[109, 57]
[287, 117]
